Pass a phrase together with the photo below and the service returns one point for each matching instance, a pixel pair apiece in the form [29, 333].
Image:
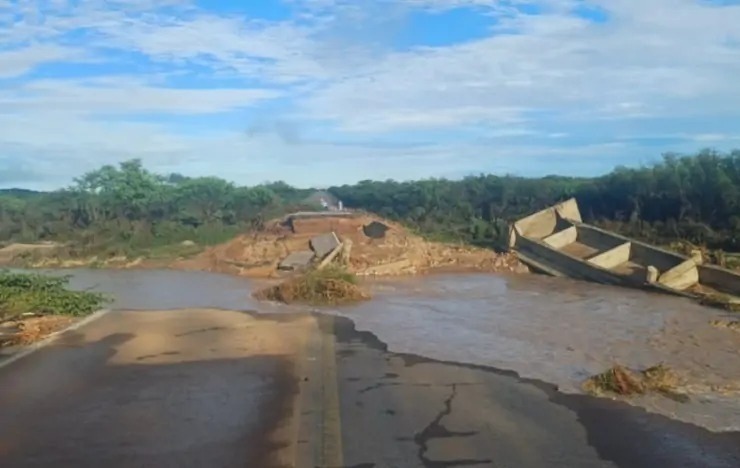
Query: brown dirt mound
[620, 380]
[399, 252]
[329, 287]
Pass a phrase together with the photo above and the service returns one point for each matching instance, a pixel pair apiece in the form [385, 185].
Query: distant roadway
[214, 388]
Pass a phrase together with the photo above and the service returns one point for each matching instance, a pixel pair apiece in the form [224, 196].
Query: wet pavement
[168, 388]
[403, 410]
[550, 329]
[216, 388]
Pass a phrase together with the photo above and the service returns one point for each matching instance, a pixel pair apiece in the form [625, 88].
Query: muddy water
[550, 329]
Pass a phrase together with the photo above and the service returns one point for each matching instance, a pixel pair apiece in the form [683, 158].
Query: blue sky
[321, 92]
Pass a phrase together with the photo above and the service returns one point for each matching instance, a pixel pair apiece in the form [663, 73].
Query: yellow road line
[331, 424]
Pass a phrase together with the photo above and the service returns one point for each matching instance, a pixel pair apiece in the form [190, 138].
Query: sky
[326, 92]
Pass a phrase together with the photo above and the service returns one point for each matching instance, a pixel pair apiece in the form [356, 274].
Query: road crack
[437, 430]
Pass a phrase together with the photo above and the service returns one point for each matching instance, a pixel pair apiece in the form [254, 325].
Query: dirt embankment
[393, 251]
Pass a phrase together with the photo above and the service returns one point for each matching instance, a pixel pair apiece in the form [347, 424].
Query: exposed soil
[30, 330]
[399, 252]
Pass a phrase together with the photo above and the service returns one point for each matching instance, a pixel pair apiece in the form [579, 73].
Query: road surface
[217, 388]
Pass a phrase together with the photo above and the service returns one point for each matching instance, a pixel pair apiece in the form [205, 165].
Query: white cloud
[16, 62]
[119, 96]
[332, 72]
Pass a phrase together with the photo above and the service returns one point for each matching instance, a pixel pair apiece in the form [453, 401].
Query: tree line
[127, 208]
[694, 198]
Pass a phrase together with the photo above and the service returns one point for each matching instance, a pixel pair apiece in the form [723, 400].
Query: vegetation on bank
[332, 285]
[22, 293]
[129, 211]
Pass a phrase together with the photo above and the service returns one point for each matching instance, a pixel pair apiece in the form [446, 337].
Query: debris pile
[369, 246]
[620, 380]
[328, 286]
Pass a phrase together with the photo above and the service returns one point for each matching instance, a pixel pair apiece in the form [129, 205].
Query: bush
[41, 294]
[329, 286]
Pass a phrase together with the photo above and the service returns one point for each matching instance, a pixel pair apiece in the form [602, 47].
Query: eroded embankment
[392, 252]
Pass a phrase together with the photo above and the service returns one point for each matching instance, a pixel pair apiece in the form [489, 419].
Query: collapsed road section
[366, 244]
[556, 241]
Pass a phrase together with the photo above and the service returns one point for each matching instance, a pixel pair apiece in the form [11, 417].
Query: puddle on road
[551, 329]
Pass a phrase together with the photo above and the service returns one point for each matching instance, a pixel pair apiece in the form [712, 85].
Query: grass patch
[44, 295]
[620, 380]
[330, 286]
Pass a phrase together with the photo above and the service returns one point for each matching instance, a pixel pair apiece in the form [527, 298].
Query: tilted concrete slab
[324, 244]
[556, 242]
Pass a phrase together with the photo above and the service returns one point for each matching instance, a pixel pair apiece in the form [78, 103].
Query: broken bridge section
[324, 244]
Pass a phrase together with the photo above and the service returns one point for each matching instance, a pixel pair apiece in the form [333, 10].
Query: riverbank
[35, 306]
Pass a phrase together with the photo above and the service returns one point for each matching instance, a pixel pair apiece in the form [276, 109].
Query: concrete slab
[324, 244]
[297, 260]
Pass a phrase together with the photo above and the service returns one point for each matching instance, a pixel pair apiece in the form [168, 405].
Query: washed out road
[217, 388]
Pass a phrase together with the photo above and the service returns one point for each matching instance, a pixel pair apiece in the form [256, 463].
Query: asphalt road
[227, 389]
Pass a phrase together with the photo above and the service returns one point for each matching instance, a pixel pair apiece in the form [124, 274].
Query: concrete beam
[562, 238]
[538, 225]
[682, 276]
[569, 210]
[612, 257]
[722, 280]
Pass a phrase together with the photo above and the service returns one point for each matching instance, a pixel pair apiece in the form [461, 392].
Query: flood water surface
[550, 329]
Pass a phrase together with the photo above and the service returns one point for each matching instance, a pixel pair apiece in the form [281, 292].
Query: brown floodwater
[551, 329]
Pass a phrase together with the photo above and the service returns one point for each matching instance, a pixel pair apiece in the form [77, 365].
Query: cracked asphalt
[214, 388]
[409, 411]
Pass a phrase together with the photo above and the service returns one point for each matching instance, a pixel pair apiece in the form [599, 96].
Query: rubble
[324, 244]
[297, 260]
